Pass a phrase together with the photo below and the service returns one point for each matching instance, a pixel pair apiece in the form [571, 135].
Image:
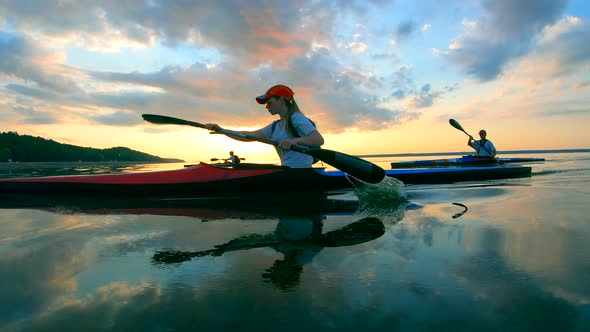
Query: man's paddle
[357, 167]
[456, 124]
[222, 159]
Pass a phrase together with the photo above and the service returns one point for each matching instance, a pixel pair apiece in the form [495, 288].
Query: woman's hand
[212, 126]
[286, 144]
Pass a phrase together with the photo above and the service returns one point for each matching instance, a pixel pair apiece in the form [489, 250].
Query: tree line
[26, 148]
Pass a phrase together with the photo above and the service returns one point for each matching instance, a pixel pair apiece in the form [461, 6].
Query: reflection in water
[298, 239]
[459, 214]
[29, 169]
[518, 261]
[510, 293]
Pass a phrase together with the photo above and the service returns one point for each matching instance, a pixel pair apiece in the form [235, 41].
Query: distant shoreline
[470, 153]
[69, 164]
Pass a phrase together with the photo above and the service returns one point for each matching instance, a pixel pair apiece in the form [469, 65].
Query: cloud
[21, 58]
[566, 112]
[506, 31]
[567, 42]
[404, 86]
[425, 97]
[31, 92]
[261, 44]
[358, 47]
[399, 94]
[261, 31]
[32, 116]
[404, 30]
[118, 119]
[581, 85]
[388, 55]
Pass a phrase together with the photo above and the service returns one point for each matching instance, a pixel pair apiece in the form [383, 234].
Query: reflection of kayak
[209, 180]
[462, 161]
[253, 206]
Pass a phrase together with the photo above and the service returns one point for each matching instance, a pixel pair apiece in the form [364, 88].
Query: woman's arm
[256, 133]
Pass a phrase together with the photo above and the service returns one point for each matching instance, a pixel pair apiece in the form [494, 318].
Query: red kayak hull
[202, 179]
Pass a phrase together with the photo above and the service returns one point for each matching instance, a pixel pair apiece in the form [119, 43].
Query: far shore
[68, 164]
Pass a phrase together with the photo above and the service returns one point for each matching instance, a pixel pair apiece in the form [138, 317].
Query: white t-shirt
[485, 150]
[303, 127]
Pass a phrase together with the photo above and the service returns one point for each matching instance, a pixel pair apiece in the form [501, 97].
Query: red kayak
[201, 179]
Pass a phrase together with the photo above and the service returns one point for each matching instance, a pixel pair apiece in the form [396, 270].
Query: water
[511, 255]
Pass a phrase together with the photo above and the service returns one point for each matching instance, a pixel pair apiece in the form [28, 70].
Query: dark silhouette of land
[26, 148]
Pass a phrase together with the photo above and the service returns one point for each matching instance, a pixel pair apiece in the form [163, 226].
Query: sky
[377, 77]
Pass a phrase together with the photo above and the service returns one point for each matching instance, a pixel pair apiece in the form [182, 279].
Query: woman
[292, 128]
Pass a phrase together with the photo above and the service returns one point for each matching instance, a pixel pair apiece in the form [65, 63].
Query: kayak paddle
[456, 124]
[357, 167]
[222, 159]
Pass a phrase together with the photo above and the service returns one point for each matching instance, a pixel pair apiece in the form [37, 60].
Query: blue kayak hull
[463, 161]
[457, 174]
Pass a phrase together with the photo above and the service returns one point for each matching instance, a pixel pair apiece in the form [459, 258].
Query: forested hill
[25, 148]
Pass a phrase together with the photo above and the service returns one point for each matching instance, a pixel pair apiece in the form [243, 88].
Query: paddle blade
[162, 119]
[357, 167]
[456, 124]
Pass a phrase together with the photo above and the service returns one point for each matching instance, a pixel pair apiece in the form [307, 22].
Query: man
[483, 147]
[233, 158]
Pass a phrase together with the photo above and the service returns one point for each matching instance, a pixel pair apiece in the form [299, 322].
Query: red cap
[277, 90]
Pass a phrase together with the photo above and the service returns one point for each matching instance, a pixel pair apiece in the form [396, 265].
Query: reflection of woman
[290, 232]
[298, 239]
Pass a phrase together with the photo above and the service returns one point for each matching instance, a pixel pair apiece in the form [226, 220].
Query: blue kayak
[463, 161]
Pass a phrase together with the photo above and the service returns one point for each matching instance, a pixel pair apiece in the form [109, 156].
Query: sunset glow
[375, 76]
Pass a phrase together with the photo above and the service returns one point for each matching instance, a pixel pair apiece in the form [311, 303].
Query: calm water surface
[517, 260]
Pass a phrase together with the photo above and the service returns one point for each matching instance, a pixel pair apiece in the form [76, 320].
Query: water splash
[387, 198]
